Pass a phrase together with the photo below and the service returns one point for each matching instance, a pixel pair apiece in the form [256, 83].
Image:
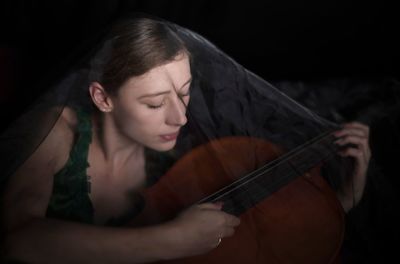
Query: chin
[166, 146]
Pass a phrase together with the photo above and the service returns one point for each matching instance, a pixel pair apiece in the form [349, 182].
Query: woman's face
[150, 109]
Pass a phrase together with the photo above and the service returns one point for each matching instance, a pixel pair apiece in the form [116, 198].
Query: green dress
[70, 196]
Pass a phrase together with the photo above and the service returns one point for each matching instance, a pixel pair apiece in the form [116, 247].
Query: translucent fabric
[233, 112]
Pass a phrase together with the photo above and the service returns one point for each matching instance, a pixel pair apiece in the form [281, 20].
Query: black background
[281, 41]
[278, 40]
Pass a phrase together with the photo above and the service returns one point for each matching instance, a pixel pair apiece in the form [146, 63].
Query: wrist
[166, 241]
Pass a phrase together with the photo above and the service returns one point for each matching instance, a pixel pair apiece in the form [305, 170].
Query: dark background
[340, 58]
[285, 40]
[279, 40]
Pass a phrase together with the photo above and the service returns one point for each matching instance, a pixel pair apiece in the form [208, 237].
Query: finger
[231, 220]
[355, 153]
[360, 163]
[357, 125]
[213, 206]
[351, 131]
[360, 142]
[229, 231]
[361, 128]
[350, 139]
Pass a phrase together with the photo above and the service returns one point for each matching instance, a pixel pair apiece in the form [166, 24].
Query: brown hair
[138, 45]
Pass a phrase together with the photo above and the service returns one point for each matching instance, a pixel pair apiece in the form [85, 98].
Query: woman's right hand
[200, 228]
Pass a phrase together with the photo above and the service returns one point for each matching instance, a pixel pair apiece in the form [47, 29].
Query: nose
[176, 115]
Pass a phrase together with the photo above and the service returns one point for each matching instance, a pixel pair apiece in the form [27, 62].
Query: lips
[169, 137]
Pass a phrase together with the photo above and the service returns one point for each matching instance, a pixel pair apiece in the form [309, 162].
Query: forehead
[169, 76]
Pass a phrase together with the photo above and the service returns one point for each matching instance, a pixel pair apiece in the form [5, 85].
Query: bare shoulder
[68, 117]
[29, 189]
[59, 141]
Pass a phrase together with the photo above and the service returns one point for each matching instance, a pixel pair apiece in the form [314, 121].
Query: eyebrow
[164, 92]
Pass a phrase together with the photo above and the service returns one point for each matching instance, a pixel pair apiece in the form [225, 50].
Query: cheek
[151, 124]
[146, 121]
[138, 121]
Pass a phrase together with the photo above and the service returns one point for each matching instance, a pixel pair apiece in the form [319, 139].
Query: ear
[100, 97]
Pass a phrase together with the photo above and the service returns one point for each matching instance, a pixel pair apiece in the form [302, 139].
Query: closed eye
[155, 106]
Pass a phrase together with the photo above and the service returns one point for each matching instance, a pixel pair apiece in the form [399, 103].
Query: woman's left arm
[354, 137]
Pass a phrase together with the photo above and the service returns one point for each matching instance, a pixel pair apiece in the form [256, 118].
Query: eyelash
[160, 105]
[155, 106]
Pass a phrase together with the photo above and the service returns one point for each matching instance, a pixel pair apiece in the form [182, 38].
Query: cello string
[235, 188]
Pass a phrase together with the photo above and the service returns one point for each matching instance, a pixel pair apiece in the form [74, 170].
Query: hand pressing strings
[354, 138]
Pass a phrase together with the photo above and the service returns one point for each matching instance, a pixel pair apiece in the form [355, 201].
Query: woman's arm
[357, 135]
[31, 237]
[42, 240]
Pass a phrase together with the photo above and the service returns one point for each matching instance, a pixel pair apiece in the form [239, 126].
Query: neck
[116, 148]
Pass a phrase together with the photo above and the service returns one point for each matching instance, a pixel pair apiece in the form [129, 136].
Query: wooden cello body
[297, 221]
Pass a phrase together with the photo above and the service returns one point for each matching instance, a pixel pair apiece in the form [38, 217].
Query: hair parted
[136, 46]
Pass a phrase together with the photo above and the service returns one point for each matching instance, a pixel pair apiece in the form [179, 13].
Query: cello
[288, 212]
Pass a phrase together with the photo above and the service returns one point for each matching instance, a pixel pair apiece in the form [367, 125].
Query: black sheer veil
[226, 100]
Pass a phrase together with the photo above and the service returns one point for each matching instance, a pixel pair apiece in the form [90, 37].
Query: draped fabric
[227, 101]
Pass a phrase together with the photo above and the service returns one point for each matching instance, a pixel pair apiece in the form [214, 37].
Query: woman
[62, 203]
